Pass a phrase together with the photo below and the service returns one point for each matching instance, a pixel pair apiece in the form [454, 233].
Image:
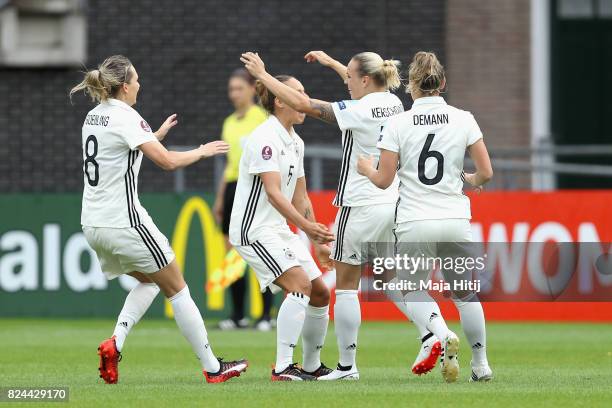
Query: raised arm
[272, 184]
[170, 160]
[302, 203]
[484, 171]
[387, 168]
[297, 100]
[327, 61]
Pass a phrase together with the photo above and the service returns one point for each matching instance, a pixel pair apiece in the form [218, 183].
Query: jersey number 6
[426, 154]
[91, 159]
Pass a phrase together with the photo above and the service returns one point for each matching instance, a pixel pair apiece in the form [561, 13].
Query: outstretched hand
[254, 64]
[320, 57]
[214, 148]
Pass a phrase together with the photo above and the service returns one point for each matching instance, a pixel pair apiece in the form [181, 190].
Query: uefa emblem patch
[266, 153]
[145, 126]
[342, 105]
[289, 254]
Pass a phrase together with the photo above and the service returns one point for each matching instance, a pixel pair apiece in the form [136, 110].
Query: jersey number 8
[426, 154]
[91, 159]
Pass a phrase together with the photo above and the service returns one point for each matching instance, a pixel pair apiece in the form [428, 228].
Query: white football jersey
[270, 148]
[431, 139]
[112, 133]
[361, 122]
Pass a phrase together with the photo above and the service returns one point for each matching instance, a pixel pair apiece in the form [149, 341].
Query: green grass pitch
[535, 364]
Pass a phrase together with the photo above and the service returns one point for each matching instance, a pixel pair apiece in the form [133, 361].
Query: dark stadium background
[184, 52]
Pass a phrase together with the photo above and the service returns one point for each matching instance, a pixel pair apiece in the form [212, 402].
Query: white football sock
[398, 300]
[473, 324]
[426, 312]
[347, 319]
[136, 304]
[190, 323]
[313, 336]
[404, 309]
[289, 324]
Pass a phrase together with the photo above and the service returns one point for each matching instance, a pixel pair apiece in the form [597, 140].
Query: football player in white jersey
[115, 224]
[271, 190]
[429, 142]
[366, 213]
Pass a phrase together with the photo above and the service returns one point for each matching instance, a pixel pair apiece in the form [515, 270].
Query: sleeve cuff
[338, 115]
[142, 140]
[393, 149]
[474, 140]
[258, 170]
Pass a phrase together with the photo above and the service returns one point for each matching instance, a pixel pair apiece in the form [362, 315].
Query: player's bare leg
[190, 323]
[136, 304]
[347, 319]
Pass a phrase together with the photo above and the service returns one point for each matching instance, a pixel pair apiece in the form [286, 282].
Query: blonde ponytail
[384, 72]
[425, 74]
[391, 74]
[104, 82]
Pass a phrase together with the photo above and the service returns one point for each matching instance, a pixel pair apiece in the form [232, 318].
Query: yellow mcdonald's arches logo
[214, 252]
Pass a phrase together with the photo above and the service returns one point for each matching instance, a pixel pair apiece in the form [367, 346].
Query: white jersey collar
[285, 136]
[373, 95]
[429, 100]
[117, 102]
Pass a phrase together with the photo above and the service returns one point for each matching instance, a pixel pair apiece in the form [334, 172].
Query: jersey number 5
[426, 154]
[291, 167]
[91, 159]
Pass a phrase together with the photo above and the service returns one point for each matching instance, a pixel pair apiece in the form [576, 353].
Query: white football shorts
[420, 239]
[123, 250]
[360, 225]
[274, 253]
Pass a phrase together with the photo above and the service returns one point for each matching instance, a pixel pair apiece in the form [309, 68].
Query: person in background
[236, 127]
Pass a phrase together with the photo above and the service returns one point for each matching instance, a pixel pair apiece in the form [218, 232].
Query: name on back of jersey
[96, 120]
[432, 119]
[386, 111]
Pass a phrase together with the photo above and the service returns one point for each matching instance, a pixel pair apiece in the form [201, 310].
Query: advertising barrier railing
[47, 268]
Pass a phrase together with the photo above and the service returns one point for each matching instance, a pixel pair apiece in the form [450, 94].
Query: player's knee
[301, 286]
[319, 295]
[305, 287]
[460, 297]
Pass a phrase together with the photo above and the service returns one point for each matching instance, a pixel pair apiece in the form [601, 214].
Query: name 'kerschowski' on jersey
[361, 122]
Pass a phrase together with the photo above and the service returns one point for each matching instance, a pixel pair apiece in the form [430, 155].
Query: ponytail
[425, 74]
[104, 82]
[391, 75]
[265, 97]
[384, 72]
